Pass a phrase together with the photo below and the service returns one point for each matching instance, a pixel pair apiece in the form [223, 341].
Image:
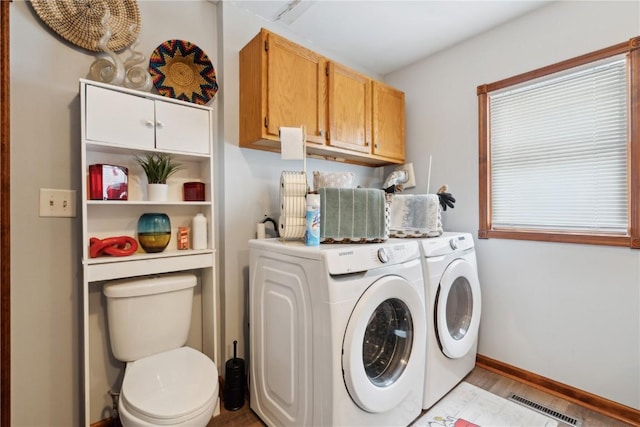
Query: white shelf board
[110, 268]
[147, 203]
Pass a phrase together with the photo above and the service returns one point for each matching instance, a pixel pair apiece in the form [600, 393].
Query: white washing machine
[453, 312]
[337, 333]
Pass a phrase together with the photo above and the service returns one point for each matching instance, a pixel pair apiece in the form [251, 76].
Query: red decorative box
[193, 191]
[108, 182]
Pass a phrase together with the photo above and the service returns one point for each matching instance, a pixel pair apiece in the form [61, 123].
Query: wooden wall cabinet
[349, 109]
[388, 121]
[283, 84]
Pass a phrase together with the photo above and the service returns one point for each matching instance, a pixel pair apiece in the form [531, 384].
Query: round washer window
[387, 342]
[459, 308]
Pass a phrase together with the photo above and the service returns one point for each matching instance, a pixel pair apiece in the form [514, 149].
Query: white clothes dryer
[337, 333]
[453, 312]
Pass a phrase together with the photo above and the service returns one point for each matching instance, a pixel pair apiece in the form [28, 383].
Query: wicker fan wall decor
[78, 21]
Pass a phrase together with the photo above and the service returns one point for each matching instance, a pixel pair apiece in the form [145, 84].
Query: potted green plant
[158, 167]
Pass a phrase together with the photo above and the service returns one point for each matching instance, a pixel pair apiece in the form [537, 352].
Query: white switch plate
[408, 167]
[58, 203]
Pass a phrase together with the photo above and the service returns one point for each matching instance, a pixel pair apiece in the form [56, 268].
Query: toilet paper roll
[293, 206]
[292, 194]
[292, 222]
[293, 183]
[294, 232]
[292, 228]
[293, 190]
[292, 143]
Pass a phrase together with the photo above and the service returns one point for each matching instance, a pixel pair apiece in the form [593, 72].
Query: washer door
[385, 328]
[457, 312]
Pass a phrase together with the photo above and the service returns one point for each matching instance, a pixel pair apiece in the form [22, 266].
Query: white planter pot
[157, 192]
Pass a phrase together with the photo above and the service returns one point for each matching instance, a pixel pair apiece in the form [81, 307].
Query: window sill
[562, 237]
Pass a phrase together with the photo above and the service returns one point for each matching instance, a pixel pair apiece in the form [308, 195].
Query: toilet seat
[170, 387]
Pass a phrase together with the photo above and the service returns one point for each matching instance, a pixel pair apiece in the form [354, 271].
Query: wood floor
[480, 377]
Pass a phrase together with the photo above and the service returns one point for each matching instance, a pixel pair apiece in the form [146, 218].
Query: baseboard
[593, 402]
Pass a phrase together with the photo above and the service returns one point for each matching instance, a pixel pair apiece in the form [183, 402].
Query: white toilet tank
[149, 315]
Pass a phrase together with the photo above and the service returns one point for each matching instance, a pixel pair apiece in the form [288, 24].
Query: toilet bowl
[165, 382]
[177, 388]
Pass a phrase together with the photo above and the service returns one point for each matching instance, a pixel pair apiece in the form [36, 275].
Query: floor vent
[546, 411]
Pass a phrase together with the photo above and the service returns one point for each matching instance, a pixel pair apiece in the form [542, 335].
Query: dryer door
[457, 310]
[384, 344]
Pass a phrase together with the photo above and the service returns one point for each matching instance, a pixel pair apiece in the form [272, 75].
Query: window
[560, 151]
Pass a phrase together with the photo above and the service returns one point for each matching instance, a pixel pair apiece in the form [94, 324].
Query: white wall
[45, 252]
[567, 312]
[251, 177]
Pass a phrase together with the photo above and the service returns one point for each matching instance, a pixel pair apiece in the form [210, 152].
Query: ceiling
[382, 36]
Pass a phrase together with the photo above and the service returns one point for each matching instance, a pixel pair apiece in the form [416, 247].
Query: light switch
[57, 203]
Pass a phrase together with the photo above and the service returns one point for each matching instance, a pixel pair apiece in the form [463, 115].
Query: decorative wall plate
[79, 21]
[181, 70]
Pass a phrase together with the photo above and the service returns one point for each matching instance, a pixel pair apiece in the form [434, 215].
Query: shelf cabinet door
[281, 85]
[349, 109]
[181, 128]
[388, 121]
[136, 122]
[120, 119]
[296, 89]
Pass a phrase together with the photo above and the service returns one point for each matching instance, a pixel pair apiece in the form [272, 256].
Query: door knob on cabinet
[159, 124]
[149, 123]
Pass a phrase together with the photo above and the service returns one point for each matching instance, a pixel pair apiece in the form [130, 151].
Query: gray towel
[415, 215]
[353, 215]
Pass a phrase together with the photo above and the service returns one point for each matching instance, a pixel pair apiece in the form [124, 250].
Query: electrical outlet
[408, 167]
[57, 203]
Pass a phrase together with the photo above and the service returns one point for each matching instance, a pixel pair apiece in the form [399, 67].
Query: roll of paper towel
[291, 143]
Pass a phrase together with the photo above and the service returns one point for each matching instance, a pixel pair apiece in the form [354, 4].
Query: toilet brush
[234, 382]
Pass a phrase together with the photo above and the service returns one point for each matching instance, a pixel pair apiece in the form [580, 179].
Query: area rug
[470, 406]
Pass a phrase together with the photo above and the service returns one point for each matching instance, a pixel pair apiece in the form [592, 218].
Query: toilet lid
[170, 386]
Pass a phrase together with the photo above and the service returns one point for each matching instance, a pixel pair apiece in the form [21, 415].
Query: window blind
[558, 150]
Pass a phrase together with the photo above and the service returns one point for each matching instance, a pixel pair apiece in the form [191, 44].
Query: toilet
[165, 382]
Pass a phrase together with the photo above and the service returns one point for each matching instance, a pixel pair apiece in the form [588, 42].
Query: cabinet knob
[159, 124]
[149, 123]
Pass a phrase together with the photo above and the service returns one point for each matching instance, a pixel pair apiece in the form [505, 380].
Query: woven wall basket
[78, 21]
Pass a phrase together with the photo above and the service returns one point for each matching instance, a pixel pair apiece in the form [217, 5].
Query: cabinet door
[119, 118]
[182, 128]
[296, 89]
[349, 109]
[388, 121]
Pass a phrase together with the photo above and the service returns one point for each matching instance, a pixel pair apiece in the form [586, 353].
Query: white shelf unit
[118, 124]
